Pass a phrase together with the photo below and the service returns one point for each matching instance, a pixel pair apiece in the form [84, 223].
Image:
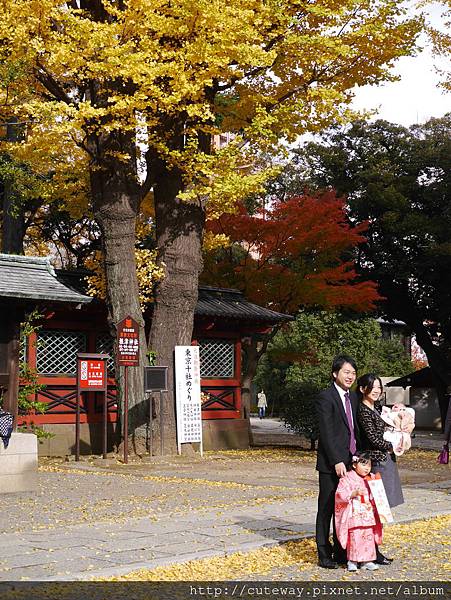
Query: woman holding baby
[372, 428]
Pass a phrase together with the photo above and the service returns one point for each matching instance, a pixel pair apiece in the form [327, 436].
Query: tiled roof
[391, 322]
[421, 378]
[212, 302]
[229, 303]
[33, 278]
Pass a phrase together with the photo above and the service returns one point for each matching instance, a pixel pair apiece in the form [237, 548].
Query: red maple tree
[298, 253]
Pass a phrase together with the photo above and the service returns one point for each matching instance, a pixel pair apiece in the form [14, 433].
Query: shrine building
[72, 323]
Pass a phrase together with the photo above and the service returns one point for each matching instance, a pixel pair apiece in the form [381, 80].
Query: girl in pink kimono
[356, 520]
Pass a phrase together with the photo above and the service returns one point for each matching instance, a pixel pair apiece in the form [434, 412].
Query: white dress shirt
[342, 393]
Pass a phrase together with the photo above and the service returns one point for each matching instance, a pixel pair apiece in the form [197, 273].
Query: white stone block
[20, 443]
[19, 464]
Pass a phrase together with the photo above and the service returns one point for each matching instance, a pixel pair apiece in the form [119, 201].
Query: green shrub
[29, 385]
[299, 411]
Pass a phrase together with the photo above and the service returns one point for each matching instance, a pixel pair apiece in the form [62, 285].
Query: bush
[299, 411]
[301, 354]
[29, 385]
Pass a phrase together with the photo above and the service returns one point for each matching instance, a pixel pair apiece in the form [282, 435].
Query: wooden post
[127, 356]
[77, 424]
[125, 415]
[151, 422]
[11, 404]
[10, 318]
[105, 419]
[161, 425]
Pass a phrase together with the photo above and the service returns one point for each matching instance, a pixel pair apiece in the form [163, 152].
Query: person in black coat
[337, 417]
[447, 428]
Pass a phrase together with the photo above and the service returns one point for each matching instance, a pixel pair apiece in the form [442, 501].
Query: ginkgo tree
[131, 92]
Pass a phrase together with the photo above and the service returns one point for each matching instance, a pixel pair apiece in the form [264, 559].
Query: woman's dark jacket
[371, 428]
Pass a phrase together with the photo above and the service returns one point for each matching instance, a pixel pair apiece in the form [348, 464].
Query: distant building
[397, 330]
[221, 140]
[421, 395]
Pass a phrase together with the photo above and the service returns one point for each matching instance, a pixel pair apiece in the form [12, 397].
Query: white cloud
[417, 96]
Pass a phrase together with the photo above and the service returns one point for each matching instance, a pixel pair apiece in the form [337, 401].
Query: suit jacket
[334, 433]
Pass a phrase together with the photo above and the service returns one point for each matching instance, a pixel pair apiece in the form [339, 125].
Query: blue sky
[416, 97]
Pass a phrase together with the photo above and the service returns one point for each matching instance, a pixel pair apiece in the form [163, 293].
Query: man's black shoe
[340, 559]
[383, 560]
[327, 563]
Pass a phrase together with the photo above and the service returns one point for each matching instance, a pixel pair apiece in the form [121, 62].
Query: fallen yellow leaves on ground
[424, 544]
[163, 479]
[268, 454]
[415, 457]
[232, 566]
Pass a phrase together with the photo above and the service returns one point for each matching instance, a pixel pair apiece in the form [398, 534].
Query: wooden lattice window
[23, 349]
[56, 351]
[217, 359]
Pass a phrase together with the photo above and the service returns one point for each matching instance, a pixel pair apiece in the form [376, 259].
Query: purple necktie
[352, 444]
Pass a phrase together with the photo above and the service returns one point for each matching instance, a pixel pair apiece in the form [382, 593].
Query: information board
[155, 379]
[128, 343]
[91, 373]
[91, 377]
[188, 404]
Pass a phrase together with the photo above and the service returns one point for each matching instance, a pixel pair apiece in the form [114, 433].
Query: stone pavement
[271, 430]
[93, 520]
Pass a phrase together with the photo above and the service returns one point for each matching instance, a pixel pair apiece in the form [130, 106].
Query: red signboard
[128, 343]
[91, 377]
[91, 373]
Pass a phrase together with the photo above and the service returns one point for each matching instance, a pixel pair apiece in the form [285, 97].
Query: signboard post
[156, 380]
[127, 356]
[91, 377]
[188, 403]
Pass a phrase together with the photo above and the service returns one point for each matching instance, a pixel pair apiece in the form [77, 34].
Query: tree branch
[51, 84]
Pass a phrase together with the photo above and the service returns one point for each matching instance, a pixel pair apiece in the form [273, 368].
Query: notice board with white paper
[187, 389]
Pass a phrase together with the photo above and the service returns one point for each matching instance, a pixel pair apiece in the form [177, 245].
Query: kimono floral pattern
[356, 520]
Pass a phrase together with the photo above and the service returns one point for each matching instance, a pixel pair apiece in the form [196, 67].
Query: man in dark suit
[337, 416]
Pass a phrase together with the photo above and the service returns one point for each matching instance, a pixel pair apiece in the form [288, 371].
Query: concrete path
[90, 522]
[84, 552]
[273, 431]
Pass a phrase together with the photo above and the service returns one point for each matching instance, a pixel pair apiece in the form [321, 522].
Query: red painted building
[222, 318]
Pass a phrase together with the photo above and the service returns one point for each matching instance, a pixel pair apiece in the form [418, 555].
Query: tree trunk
[13, 222]
[179, 231]
[254, 348]
[116, 201]
[251, 358]
[118, 233]
[13, 225]
[403, 307]
[440, 367]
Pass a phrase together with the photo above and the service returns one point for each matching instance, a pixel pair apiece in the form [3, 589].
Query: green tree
[398, 180]
[299, 358]
[314, 338]
[299, 412]
[28, 404]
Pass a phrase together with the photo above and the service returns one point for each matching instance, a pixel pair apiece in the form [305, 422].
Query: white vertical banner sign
[188, 404]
